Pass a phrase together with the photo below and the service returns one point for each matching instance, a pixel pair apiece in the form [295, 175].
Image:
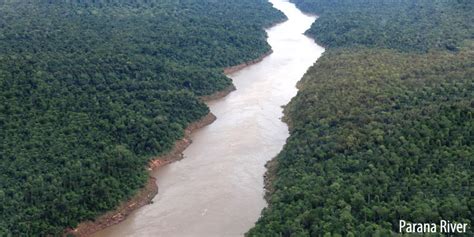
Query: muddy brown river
[217, 190]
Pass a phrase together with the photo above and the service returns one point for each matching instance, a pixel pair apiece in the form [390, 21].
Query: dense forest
[382, 126]
[92, 89]
[404, 25]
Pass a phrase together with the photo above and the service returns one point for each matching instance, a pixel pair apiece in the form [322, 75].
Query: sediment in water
[232, 69]
[218, 94]
[149, 191]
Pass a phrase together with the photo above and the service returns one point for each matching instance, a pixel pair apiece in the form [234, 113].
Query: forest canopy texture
[91, 89]
[382, 126]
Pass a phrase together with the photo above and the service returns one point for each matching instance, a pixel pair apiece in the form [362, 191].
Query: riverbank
[272, 165]
[142, 198]
[229, 70]
[218, 94]
[179, 146]
[232, 69]
[269, 177]
[149, 191]
[250, 133]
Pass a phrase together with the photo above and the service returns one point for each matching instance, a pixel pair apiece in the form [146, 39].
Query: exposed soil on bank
[229, 70]
[218, 94]
[179, 146]
[149, 191]
[236, 68]
[142, 198]
[269, 178]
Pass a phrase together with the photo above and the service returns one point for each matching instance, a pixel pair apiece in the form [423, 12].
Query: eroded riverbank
[149, 191]
[218, 189]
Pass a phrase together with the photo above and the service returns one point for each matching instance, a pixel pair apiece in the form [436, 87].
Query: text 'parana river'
[217, 189]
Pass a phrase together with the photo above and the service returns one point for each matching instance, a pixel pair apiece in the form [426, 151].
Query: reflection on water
[217, 190]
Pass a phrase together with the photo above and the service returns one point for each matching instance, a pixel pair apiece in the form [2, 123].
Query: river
[217, 190]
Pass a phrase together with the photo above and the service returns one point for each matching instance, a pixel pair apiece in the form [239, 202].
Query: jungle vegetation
[90, 90]
[404, 25]
[382, 127]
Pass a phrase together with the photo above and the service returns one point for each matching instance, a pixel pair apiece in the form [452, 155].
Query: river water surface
[217, 190]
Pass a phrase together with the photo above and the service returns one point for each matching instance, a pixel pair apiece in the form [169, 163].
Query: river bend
[217, 190]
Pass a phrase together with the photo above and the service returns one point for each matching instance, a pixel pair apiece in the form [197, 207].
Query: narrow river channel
[217, 190]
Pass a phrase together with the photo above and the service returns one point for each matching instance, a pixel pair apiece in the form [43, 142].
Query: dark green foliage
[90, 90]
[382, 127]
[406, 25]
[388, 136]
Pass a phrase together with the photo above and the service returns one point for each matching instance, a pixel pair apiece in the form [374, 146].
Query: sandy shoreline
[149, 191]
